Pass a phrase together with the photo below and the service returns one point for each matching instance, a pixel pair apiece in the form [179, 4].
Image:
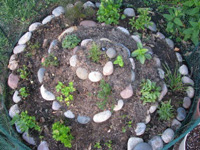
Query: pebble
[136, 38]
[67, 31]
[19, 48]
[45, 43]
[88, 4]
[53, 45]
[18, 128]
[102, 116]
[28, 138]
[73, 61]
[170, 43]
[47, 19]
[13, 65]
[122, 29]
[132, 76]
[82, 73]
[160, 35]
[108, 68]
[142, 146]
[86, 41]
[153, 108]
[187, 80]
[140, 129]
[133, 141]
[127, 92]
[132, 63]
[128, 51]
[147, 119]
[163, 92]
[152, 27]
[186, 102]
[179, 57]
[111, 53]
[183, 70]
[95, 76]
[157, 61]
[13, 81]
[129, 12]
[168, 135]
[119, 105]
[40, 74]
[16, 97]
[56, 105]
[156, 143]
[190, 92]
[88, 23]
[25, 38]
[14, 109]
[69, 114]
[43, 146]
[97, 4]
[34, 26]
[176, 124]
[181, 114]
[47, 95]
[83, 119]
[161, 73]
[58, 11]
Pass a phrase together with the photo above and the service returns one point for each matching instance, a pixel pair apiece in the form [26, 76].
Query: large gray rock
[88, 4]
[14, 109]
[129, 12]
[19, 48]
[34, 26]
[47, 19]
[168, 135]
[143, 146]
[47, 95]
[83, 119]
[179, 57]
[186, 102]
[28, 138]
[181, 114]
[69, 114]
[161, 73]
[132, 142]
[16, 97]
[40, 74]
[132, 76]
[187, 80]
[156, 143]
[102, 116]
[140, 129]
[127, 92]
[85, 42]
[170, 43]
[160, 35]
[67, 31]
[132, 63]
[153, 108]
[122, 29]
[43, 146]
[25, 38]
[73, 61]
[95, 76]
[111, 53]
[163, 92]
[53, 45]
[56, 105]
[82, 73]
[88, 23]
[58, 11]
[183, 70]
[108, 68]
[136, 38]
[176, 124]
[152, 26]
[190, 92]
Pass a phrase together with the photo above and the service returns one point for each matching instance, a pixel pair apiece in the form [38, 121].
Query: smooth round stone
[136, 38]
[83, 119]
[127, 92]
[128, 51]
[53, 46]
[160, 35]
[88, 4]
[19, 48]
[143, 146]
[179, 57]
[14, 109]
[28, 138]
[147, 119]
[119, 105]
[95, 76]
[86, 41]
[73, 61]
[153, 108]
[181, 114]
[56, 105]
[163, 92]
[133, 141]
[13, 65]
[82, 73]
[58, 11]
[108, 68]
[47, 95]
[47, 19]
[140, 129]
[183, 70]
[67, 31]
[88, 23]
[161, 73]
[43, 146]
[129, 12]
[170, 43]
[34, 26]
[157, 61]
[97, 4]
[152, 27]
[40, 74]
[25, 38]
[13, 81]
[176, 124]
[132, 63]
[132, 76]
[18, 128]
[16, 97]
[190, 92]
[156, 143]
[187, 80]
[186, 102]
[102, 116]
[168, 135]
[111, 53]
[69, 114]
[122, 29]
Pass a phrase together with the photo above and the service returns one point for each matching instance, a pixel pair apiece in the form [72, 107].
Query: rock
[28, 138]
[25, 38]
[160, 35]
[136, 38]
[73, 61]
[132, 63]
[95, 76]
[13, 81]
[82, 73]
[46, 94]
[108, 68]
[16, 97]
[181, 114]
[142, 146]
[187, 80]
[18, 128]
[190, 92]
[132, 142]
[111, 53]
[47, 19]
[69, 6]
[34, 26]
[102, 116]
[170, 43]
[88, 23]
[14, 109]
[157, 61]
[119, 105]
[129, 12]
[13, 57]
[153, 108]
[176, 124]
[67, 31]
[156, 143]
[132, 76]
[122, 29]
[19, 48]
[40, 74]
[125, 48]
[183, 70]
[58, 11]
[179, 57]
[88, 4]
[152, 27]
[97, 4]
[76, 49]
[127, 92]
[168, 135]
[161, 73]
[140, 129]
[13, 65]
[163, 92]
[69, 114]
[106, 39]
[147, 119]
[86, 42]
[83, 119]
[45, 43]
[56, 105]
[43, 146]
[53, 45]
[186, 102]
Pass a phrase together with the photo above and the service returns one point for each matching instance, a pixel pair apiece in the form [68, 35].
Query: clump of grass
[94, 53]
[166, 111]
[50, 60]
[70, 41]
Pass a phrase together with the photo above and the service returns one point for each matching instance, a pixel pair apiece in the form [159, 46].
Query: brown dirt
[192, 142]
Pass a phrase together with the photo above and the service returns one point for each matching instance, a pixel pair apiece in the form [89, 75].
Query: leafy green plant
[50, 60]
[25, 122]
[109, 11]
[65, 92]
[165, 111]
[97, 145]
[109, 144]
[150, 92]
[23, 92]
[23, 73]
[70, 41]
[94, 53]
[130, 124]
[119, 61]
[141, 53]
[62, 133]
[123, 129]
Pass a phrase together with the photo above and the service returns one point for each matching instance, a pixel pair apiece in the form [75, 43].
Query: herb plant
[165, 111]
[62, 133]
[109, 144]
[70, 41]
[23, 92]
[119, 61]
[23, 73]
[94, 53]
[97, 145]
[50, 60]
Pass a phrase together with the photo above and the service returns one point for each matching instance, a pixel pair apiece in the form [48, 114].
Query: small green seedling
[165, 111]
[109, 144]
[23, 72]
[50, 60]
[123, 129]
[70, 41]
[130, 124]
[97, 145]
[119, 61]
[94, 53]
[23, 92]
